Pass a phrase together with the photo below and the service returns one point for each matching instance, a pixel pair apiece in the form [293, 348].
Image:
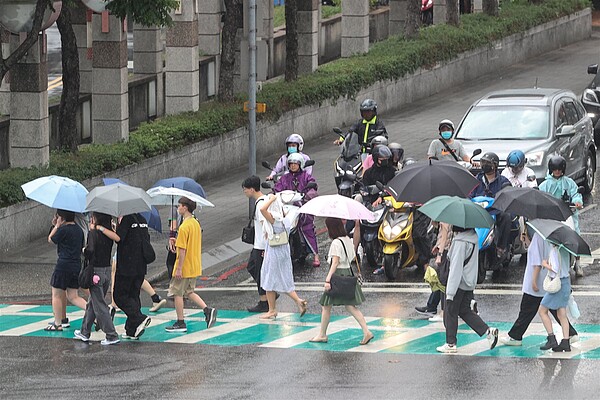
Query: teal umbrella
[457, 211]
[561, 235]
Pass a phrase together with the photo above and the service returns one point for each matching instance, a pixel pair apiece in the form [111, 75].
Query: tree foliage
[145, 12]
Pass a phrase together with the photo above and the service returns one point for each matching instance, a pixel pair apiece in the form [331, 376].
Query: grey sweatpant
[97, 309]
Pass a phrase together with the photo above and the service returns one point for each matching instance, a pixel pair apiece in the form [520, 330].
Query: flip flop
[319, 340]
[53, 328]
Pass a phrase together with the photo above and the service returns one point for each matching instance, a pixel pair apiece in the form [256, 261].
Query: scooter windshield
[351, 147]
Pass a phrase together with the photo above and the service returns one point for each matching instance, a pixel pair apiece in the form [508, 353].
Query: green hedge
[388, 60]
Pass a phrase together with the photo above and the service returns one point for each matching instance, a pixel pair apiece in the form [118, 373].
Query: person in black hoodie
[382, 170]
[131, 269]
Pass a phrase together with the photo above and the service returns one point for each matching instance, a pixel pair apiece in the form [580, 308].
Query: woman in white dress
[276, 272]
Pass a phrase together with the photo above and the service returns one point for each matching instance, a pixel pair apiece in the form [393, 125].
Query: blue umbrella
[181, 182]
[57, 192]
[152, 216]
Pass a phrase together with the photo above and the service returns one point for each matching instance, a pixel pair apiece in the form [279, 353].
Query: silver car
[539, 122]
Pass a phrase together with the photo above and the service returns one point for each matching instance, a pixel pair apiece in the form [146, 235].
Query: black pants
[127, 297]
[434, 300]
[254, 266]
[503, 225]
[527, 312]
[461, 307]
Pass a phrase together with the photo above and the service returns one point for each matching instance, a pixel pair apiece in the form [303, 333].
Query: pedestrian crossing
[289, 331]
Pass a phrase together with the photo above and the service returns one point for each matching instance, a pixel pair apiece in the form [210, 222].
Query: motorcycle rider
[517, 173]
[397, 155]
[377, 141]
[565, 188]
[368, 126]
[490, 183]
[297, 179]
[445, 147]
[293, 144]
[381, 171]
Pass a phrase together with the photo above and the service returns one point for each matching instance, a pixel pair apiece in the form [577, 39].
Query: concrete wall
[207, 159]
[330, 39]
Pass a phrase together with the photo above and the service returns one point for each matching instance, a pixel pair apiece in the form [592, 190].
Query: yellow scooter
[395, 235]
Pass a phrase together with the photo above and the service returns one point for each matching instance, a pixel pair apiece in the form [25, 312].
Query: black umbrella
[424, 180]
[531, 203]
[561, 235]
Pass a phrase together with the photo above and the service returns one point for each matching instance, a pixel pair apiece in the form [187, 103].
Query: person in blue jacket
[562, 187]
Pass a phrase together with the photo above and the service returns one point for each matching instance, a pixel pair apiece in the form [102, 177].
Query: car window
[580, 110]
[561, 116]
[505, 122]
[572, 116]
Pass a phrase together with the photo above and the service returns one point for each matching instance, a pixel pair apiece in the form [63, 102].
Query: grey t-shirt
[437, 149]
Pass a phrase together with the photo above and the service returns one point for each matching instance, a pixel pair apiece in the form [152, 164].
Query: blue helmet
[516, 159]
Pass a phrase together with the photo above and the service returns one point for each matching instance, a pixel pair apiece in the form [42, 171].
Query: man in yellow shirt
[188, 266]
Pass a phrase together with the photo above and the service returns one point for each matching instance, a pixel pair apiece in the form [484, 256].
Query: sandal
[366, 340]
[317, 339]
[53, 328]
[303, 307]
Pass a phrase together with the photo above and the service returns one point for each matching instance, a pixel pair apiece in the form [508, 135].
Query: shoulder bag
[450, 150]
[86, 274]
[551, 285]
[279, 239]
[344, 287]
[443, 270]
[248, 231]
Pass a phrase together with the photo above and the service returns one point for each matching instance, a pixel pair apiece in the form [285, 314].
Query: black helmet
[397, 152]
[379, 140]
[381, 151]
[557, 162]
[368, 105]
[491, 158]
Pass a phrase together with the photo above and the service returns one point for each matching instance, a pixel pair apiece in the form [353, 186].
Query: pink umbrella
[336, 206]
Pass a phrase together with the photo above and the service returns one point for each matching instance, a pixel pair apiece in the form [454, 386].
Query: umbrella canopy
[531, 203]
[164, 196]
[57, 192]
[152, 216]
[118, 199]
[422, 181]
[181, 182]
[457, 211]
[336, 206]
[561, 235]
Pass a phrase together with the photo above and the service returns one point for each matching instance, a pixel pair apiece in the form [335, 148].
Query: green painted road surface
[241, 328]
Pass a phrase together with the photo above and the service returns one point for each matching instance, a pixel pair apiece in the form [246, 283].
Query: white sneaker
[474, 306]
[436, 318]
[574, 339]
[447, 348]
[492, 337]
[157, 306]
[508, 341]
[126, 336]
[139, 331]
[107, 342]
[78, 335]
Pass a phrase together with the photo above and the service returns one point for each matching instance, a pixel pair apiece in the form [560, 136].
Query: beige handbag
[279, 239]
[551, 285]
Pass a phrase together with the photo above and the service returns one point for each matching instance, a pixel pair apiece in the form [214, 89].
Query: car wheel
[590, 171]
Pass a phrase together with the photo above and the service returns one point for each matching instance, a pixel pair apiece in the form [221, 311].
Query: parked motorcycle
[292, 201]
[427, 12]
[395, 235]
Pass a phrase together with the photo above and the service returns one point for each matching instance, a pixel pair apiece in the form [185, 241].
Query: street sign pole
[252, 94]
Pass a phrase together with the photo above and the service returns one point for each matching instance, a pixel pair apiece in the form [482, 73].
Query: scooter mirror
[309, 163]
[266, 165]
[337, 130]
[266, 185]
[476, 152]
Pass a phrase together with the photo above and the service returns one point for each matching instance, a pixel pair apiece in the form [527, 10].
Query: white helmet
[295, 138]
[296, 158]
[446, 122]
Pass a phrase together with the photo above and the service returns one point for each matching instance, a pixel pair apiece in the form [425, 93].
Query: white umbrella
[118, 199]
[163, 196]
[336, 206]
[57, 192]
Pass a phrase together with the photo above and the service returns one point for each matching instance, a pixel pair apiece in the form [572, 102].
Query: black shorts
[64, 279]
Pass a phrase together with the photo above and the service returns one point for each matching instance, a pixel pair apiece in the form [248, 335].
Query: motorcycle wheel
[390, 266]
[373, 253]
[481, 268]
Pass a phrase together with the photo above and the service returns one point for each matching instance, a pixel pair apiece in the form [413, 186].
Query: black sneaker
[425, 311]
[139, 331]
[211, 317]
[262, 306]
[177, 327]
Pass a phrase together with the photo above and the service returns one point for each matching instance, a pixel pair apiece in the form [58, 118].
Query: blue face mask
[446, 135]
[292, 149]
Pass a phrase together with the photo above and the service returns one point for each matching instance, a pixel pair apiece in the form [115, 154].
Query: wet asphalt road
[42, 368]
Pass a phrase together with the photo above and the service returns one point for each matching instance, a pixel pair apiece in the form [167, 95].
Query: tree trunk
[291, 40]
[413, 18]
[69, 100]
[7, 63]
[232, 20]
[452, 12]
[490, 7]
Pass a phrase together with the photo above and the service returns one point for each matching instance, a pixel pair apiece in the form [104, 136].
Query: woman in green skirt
[341, 254]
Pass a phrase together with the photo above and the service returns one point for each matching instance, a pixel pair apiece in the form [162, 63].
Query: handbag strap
[469, 258]
[251, 219]
[449, 150]
[350, 262]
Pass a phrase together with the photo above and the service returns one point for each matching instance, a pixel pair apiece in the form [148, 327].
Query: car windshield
[505, 123]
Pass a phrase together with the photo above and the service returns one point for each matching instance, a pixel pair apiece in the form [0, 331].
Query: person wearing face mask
[294, 145]
[490, 183]
[517, 173]
[377, 141]
[445, 147]
[382, 170]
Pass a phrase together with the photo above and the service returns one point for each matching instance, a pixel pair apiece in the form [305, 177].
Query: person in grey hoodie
[462, 279]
